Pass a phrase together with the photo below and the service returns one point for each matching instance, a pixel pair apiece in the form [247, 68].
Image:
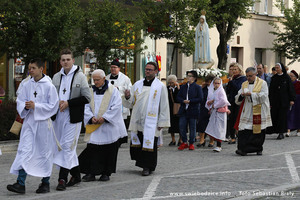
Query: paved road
[199, 174]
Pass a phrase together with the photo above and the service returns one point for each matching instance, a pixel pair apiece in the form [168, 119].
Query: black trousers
[63, 173]
[279, 119]
[234, 109]
[249, 142]
[99, 159]
[144, 159]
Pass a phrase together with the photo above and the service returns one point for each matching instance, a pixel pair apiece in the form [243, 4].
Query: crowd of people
[242, 111]
[54, 111]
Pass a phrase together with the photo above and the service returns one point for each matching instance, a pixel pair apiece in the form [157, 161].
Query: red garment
[237, 122]
[297, 87]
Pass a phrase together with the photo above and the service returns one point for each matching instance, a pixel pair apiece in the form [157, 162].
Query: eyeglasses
[149, 70]
[190, 76]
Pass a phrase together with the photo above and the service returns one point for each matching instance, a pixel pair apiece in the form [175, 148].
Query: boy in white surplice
[36, 103]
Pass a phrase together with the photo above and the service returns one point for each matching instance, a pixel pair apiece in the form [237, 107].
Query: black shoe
[231, 142]
[146, 172]
[239, 152]
[61, 185]
[179, 143]
[88, 178]
[104, 178]
[280, 136]
[201, 145]
[43, 188]
[172, 143]
[210, 145]
[73, 181]
[16, 187]
[259, 153]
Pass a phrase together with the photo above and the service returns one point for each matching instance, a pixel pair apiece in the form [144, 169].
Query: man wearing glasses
[148, 99]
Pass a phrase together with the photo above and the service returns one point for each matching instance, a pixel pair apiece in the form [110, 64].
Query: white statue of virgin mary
[202, 46]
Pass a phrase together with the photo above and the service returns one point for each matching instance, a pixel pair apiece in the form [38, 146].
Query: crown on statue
[203, 12]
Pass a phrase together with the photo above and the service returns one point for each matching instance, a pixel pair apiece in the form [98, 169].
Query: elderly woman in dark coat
[173, 89]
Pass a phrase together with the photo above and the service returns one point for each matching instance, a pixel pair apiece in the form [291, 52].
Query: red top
[297, 87]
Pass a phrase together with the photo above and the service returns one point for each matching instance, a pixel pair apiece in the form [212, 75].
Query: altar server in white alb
[104, 128]
[148, 99]
[36, 103]
[122, 83]
[74, 93]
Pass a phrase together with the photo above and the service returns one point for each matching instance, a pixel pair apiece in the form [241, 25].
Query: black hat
[115, 62]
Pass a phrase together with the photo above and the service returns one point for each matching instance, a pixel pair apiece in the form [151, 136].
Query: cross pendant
[35, 93]
[64, 91]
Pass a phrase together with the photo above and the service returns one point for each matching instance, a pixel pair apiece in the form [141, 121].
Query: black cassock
[281, 93]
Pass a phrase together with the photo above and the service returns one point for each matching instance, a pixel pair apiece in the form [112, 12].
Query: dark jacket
[233, 87]
[266, 78]
[174, 94]
[79, 95]
[195, 97]
[282, 91]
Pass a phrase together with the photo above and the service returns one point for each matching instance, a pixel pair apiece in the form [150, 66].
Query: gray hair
[251, 69]
[99, 72]
[171, 77]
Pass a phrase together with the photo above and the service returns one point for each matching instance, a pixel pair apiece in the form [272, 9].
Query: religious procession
[239, 107]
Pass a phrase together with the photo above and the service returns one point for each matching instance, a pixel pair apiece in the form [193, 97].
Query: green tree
[287, 42]
[37, 28]
[225, 15]
[170, 19]
[110, 31]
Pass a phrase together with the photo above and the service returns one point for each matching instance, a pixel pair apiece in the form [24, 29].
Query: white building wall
[254, 33]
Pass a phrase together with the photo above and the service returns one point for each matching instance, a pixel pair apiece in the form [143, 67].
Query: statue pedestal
[204, 65]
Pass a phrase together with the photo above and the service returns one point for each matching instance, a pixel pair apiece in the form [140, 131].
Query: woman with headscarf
[293, 116]
[217, 104]
[232, 89]
[282, 97]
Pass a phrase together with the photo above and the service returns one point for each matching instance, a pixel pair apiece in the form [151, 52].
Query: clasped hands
[101, 120]
[63, 105]
[127, 94]
[29, 105]
[186, 101]
[246, 94]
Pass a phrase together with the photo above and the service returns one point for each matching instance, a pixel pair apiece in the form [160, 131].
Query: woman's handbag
[176, 106]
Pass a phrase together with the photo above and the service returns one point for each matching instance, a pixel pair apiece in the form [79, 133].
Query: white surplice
[122, 83]
[35, 151]
[112, 130]
[67, 133]
[246, 120]
[139, 109]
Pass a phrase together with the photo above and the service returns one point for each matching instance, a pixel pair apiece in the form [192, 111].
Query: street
[198, 174]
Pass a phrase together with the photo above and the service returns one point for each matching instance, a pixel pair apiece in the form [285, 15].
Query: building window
[258, 55]
[171, 69]
[252, 9]
[266, 7]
